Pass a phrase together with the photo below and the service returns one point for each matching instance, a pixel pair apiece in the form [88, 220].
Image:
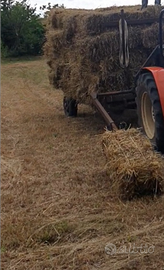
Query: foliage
[22, 32]
[48, 7]
[4, 50]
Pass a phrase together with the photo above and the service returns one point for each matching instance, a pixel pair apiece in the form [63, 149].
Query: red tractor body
[158, 74]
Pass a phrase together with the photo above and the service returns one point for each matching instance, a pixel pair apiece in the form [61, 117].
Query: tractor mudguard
[158, 74]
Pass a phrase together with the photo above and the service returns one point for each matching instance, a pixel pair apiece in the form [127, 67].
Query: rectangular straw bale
[99, 21]
[150, 36]
[134, 168]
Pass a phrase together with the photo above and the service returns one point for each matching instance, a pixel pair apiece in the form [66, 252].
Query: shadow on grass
[10, 60]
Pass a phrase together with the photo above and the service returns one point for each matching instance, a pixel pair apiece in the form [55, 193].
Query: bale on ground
[134, 168]
[82, 49]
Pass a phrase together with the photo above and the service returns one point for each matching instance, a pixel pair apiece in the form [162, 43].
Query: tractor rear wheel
[150, 116]
[70, 107]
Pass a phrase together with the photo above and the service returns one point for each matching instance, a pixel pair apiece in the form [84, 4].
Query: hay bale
[150, 37]
[134, 168]
[82, 49]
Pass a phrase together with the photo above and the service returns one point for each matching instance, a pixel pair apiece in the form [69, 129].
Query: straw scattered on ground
[58, 209]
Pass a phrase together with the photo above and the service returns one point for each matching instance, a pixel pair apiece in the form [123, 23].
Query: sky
[87, 4]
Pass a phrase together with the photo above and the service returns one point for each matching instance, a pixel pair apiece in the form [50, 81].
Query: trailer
[147, 97]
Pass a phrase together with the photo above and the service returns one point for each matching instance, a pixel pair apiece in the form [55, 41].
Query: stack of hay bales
[133, 167]
[82, 49]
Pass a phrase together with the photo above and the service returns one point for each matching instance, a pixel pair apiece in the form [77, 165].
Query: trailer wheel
[150, 116]
[70, 107]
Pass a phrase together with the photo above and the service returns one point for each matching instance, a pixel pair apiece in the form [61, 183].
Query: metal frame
[161, 17]
[123, 35]
[157, 54]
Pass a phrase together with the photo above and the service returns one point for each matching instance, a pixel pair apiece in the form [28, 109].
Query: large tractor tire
[150, 116]
[70, 107]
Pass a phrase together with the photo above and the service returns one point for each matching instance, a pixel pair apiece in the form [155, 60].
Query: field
[58, 208]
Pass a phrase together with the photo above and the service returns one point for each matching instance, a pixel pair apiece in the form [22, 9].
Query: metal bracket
[124, 50]
[157, 2]
[123, 125]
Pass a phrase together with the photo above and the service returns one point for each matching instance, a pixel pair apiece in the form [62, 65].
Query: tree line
[22, 29]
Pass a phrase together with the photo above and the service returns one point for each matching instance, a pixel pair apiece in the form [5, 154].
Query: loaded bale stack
[133, 167]
[82, 49]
